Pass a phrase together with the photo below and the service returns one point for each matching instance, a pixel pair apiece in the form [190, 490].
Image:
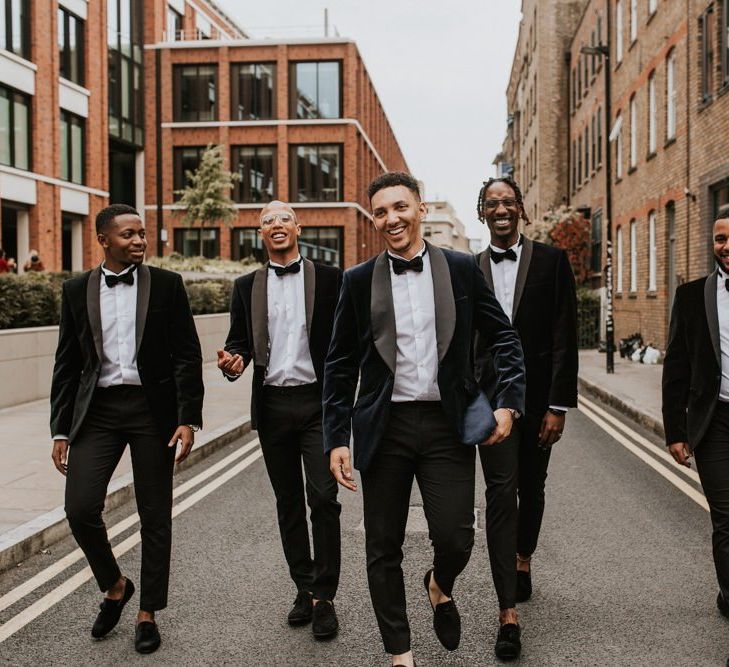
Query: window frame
[619, 46]
[16, 96]
[619, 258]
[652, 115]
[652, 253]
[177, 78]
[72, 120]
[65, 64]
[633, 133]
[235, 151]
[293, 88]
[8, 39]
[633, 256]
[671, 95]
[235, 88]
[179, 181]
[294, 175]
[178, 231]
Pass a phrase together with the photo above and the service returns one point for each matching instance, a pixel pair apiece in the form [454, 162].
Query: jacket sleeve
[238, 341]
[186, 359]
[341, 372]
[66, 370]
[501, 339]
[676, 377]
[563, 390]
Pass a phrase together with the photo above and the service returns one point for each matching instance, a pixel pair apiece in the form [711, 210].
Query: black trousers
[418, 443]
[712, 462]
[290, 430]
[117, 416]
[500, 464]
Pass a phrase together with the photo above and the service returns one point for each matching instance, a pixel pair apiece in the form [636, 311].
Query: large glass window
[185, 159]
[247, 244]
[70, 46]
[652, 252]
[671, 95]
[633, 20]
[633, 132]
[315, 90]
[198, 242]
[619, 31]
[73, 151]
[619, 262]
[256, 166]
[706, 33]
[174, 25]
[633, 256]
[619, 150]
[14, 128]
[322, 244]
[598, 142]
[253, 91]
[15, 27]
[195, 92]
[315, 173]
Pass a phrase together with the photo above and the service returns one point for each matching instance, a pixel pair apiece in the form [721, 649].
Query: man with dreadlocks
[535, 286]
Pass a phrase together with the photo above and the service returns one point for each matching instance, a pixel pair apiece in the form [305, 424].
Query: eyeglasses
[494, 203]
[268, 220]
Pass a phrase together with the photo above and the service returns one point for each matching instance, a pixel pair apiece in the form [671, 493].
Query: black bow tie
[497, 257]
[726, 284]
[283, 270]
[399, 266]
[112, 279]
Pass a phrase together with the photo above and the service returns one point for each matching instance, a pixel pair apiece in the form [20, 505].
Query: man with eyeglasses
[281, 319]
[535, 286]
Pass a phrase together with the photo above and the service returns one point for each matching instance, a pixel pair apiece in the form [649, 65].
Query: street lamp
[603, 51]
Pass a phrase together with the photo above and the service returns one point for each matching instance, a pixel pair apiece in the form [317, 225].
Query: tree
[205, 198]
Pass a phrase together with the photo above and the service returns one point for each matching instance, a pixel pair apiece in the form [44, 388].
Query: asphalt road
[623, 576]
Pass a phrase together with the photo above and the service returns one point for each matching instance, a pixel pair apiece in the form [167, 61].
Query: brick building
[299, 120]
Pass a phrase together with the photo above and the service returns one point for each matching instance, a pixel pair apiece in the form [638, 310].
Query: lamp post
[603, 51]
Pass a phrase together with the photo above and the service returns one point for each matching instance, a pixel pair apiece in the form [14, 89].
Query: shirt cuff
[60, 436]
[558, 407]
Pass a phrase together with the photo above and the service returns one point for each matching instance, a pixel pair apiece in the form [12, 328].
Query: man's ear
[101, 238]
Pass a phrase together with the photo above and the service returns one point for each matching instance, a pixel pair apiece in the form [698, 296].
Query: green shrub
[209, 296]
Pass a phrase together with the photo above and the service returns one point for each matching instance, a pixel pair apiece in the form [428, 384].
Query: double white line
[657, 458]
[41, 605]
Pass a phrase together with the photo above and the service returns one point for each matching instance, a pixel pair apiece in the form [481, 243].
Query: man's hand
[60, 455]
[186, 437]
[504, 422]
[551, 429]
[230, 364]
[681, 453]
[341, 468]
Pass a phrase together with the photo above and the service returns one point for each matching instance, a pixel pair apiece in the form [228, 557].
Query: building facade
[442, 227]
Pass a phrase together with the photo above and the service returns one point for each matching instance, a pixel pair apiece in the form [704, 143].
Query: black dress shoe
[722, 605]
[523, 585]
[146, 637]
[302, 610]
[324, 620]
[446, 619]
[110, 612]
[508, 642]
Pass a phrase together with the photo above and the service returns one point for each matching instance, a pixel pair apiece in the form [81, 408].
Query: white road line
[639, 439]
[672, 477]
[45, 575]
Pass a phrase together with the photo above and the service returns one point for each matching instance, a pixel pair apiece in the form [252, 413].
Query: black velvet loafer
[146, 637]
[446, 619]
[302, 610]
[508, 642]
[325, 623]
[110, 612]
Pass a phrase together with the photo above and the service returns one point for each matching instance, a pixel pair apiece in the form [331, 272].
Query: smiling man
[403, 327]
[281, 320]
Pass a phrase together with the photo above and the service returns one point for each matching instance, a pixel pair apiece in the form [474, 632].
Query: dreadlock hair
[506, 180]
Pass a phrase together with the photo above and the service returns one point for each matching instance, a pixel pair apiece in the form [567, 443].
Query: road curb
[22, 542]
[630, 411]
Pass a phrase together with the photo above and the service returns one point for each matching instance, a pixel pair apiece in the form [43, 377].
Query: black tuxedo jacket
[248, 335]
[692, 367]
[364, 345]
[169, 360]
[545, 317]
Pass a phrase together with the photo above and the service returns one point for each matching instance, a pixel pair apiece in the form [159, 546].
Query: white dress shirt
[416, 370]
[119, 331]
[722, 308]
[289, 361]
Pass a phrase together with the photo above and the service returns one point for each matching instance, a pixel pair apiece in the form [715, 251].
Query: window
[579, 80]
[175, 25]
[619, 254]
[246, 243]
[725, 42]
[587, 153]
[14, 128]
[194, 93]
[256, 166]
[652, 7]
[586, 74]
[592, 58]
[598, 142]
[15, 27]
[619, 31]
[315, 173]
[579, 160]
[706, 32]
[315, 90]
[73, 148]
[593, 147]
[70, 46]
[633, 20]
[619, 150]
[596, 242]
[185, 159]
[253, 91]
[322, 244]
[574, 165]
[574, 89]
[652, 251]
[671, 95]
[633, 256]
[652, 113]
[633, 133]
[198, 242]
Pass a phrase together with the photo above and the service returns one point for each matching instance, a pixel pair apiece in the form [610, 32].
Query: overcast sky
[441, 74]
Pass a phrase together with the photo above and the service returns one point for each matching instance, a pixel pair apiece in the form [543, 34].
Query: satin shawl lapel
[445, 304]
[309, 293]
[712, 314]
[485, 264]
[382, 312]
[259, 316]
[143, 289]
[93, 308]
[521, 273]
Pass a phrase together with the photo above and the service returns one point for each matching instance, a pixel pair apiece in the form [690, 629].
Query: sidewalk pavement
[31, 489]
[633, 389]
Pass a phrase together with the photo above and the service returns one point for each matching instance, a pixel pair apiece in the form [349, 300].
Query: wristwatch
[193, 428]
[515, 414]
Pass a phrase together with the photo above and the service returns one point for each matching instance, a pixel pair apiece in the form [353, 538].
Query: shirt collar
[109, 272]
[420, 253]
[722, 275]
[293, 261]
[516, 247]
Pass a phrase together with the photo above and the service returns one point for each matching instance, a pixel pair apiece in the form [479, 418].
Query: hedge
[34, 299]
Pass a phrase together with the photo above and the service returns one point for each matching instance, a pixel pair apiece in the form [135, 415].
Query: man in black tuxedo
[281, 319]
[696, 392]
[535, 286]
[404, 325]
[128, 370]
